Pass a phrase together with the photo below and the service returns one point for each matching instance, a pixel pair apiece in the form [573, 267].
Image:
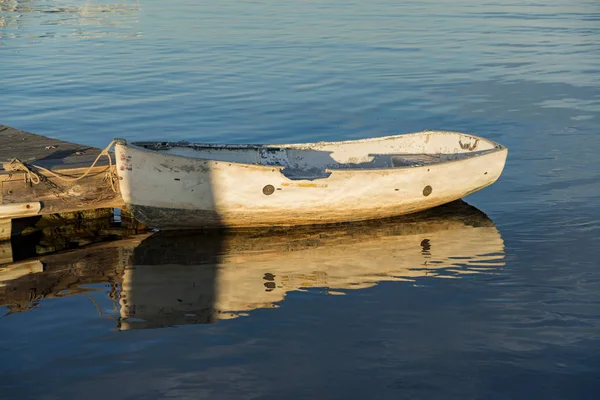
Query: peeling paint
[166, 167]
[188, 168]
[273, 156]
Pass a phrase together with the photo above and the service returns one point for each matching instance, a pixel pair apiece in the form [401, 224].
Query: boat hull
[173, 192]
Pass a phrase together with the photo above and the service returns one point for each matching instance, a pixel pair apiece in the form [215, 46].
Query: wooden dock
[37, 178]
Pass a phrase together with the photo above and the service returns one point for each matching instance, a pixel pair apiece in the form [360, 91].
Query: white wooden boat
[172, 185]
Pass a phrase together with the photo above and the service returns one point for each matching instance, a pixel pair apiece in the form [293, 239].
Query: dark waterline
[498, 301]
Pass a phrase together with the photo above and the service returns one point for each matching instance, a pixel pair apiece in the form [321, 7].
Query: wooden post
[128, 221]
[5, 228]
[6, 253]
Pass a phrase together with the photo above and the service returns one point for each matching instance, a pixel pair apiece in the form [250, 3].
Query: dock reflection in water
[172, 278]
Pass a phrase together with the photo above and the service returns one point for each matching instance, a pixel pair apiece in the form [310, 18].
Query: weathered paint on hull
[170, 191]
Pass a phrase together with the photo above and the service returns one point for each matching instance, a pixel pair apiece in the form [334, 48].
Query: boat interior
[316, 160]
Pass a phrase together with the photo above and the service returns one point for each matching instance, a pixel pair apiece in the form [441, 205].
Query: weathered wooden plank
[68, 160]
[44, 151]
[93, 191]
[16, 210]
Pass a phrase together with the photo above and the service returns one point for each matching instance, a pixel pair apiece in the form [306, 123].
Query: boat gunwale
[497, 147]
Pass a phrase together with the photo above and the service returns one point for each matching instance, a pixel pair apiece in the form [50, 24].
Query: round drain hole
[270, 285]
[269, 189]
[427, 191]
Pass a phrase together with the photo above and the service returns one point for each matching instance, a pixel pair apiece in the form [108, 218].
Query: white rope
[17, 165]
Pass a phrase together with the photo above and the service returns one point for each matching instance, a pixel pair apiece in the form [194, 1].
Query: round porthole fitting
[268, 190]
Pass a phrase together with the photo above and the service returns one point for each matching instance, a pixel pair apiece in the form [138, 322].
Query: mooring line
[17, 165]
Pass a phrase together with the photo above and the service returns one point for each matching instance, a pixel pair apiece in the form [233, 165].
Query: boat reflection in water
[200, 277]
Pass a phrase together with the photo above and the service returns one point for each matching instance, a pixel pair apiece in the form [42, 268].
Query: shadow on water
[171, 278]
[39, 235]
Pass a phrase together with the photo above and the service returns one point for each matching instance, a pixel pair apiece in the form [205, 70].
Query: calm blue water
[525, 74]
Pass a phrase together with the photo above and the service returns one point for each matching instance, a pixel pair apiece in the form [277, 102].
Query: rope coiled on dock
[33, 176]
[16, 165]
